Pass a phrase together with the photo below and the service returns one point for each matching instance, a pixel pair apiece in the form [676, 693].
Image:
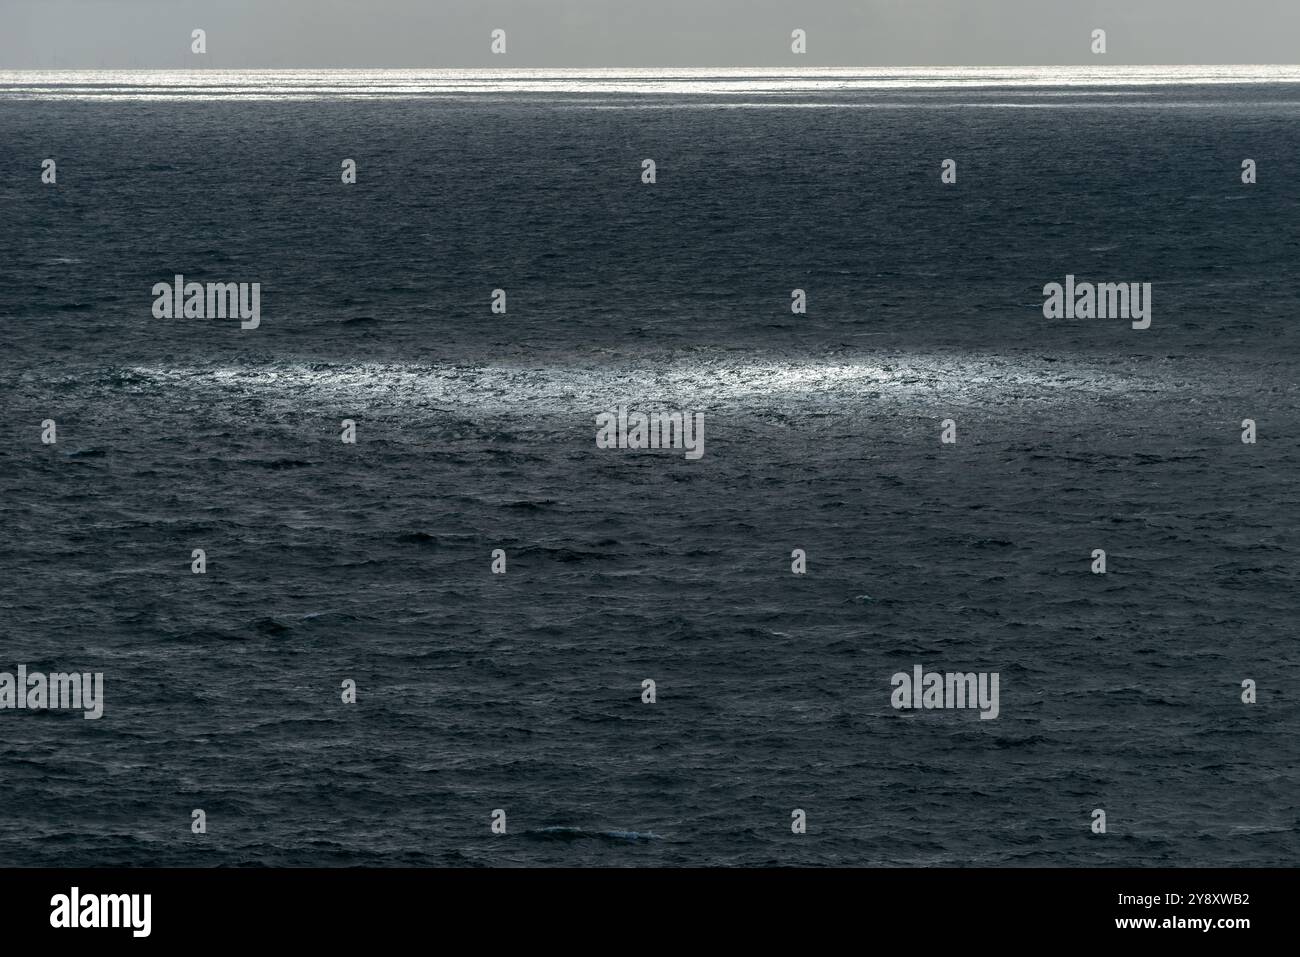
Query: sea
[499, 275]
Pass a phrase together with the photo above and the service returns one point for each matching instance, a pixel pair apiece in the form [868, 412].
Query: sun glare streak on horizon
[699, 82]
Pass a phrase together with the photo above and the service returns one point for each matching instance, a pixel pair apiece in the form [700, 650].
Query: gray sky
[455, 33]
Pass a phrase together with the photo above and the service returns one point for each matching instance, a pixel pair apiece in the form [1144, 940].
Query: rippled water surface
[476, 431]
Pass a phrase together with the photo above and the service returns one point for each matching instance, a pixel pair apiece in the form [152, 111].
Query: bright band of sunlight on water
[464, 83]
[719, 383]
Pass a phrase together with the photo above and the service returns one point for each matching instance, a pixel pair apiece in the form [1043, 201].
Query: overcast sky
[455, 33]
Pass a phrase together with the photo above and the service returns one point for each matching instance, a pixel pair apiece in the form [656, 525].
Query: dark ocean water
[476, 431]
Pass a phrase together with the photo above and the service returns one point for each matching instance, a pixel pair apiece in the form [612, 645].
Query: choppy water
[371, 562]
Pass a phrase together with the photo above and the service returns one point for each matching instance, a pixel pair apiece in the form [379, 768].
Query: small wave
[279, 464]
[418, 538]
[529, 506]
[579, 833]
